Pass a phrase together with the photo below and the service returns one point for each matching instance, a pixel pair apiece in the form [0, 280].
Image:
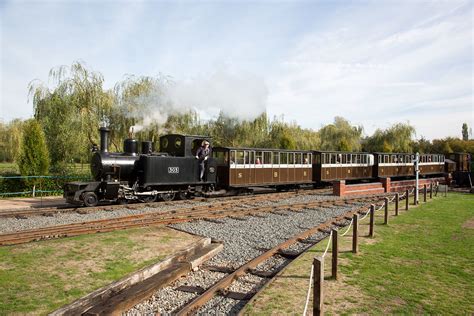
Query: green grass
[38, 278]
[421, 263]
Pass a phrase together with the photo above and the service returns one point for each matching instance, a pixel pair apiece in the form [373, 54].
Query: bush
[34, 157]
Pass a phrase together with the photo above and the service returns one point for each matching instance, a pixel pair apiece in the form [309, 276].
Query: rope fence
[317, 269]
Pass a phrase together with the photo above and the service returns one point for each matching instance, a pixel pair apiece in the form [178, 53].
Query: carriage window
[232, 157]
[284, 158]
[306, 158]
[298, 158]
[364, 159]
[385, 158]
[247, 157]
[310, 159]
[259, 158]
[349, 158]
[276, 158]
[291, 158]
[240, 157]
[267, 157]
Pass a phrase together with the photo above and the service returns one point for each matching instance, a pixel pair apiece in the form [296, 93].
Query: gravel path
[245, 240]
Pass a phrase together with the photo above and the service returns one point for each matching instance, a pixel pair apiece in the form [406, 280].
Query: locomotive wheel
[183, 195]
[149, 198]
[167, 196]
[90, 199]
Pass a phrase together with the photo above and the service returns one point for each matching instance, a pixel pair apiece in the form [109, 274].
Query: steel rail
[149, 219]
[222, 284]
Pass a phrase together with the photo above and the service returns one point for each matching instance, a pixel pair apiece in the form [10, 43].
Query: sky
[374, 63]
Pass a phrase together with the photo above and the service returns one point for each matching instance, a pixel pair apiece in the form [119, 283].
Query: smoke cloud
[238, 96]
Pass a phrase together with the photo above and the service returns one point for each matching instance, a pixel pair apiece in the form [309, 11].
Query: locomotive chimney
[104, 132]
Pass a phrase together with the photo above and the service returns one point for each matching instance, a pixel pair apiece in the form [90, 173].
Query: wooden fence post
[407, 197]
[372, 219]
[431, 190]
[318, 269]
[415, 196]
[385, 215]
[355, 228]
[335, 251]
[424, 193]
[446, 190]
[397, 198]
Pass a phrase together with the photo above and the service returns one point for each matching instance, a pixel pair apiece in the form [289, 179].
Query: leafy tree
[397, 138]
[34, 158]
[341, 135]
[465, 132]
[10, 139]
[70, 112]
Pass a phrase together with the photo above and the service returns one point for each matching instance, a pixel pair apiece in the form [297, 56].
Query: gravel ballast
[10, 225]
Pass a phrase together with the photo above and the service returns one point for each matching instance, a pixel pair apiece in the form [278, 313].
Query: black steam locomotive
[144, 176]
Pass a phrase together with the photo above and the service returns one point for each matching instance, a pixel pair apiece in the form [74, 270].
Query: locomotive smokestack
[104, 133]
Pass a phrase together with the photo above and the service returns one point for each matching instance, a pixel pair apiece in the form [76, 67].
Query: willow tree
[71, 110]
[341, 135]
[396, 138]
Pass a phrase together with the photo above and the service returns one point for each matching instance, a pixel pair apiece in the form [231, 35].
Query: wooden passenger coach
[394, 165]
[431, 164]
[335, 165]
[242, 167]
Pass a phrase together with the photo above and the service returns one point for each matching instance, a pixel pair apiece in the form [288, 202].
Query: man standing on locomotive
[203, 154]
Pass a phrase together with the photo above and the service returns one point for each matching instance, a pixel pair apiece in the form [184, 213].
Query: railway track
[225, 287]
[218, 289]
[51, 211]
[233, 208]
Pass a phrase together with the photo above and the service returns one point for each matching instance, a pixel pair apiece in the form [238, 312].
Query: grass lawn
[37, 278]
[421, 263]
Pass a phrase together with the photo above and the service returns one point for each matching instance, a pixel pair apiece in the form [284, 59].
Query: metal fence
[14, 186]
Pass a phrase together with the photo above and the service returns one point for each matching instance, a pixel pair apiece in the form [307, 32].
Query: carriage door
[276, 167]
[250, 165]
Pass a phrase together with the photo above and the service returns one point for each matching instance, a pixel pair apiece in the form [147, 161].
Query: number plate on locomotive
[173, 169]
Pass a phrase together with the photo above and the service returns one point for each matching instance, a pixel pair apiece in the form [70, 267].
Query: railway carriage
[431, 164]
[244, 167]
[394, 165]
[335, 165]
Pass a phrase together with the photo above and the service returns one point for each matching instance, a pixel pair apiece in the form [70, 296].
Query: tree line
[67, 117]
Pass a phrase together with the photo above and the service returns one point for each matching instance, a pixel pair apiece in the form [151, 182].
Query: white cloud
[372, 75]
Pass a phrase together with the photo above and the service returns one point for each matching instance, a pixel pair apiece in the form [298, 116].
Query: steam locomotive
[144, 176]
[174, 171]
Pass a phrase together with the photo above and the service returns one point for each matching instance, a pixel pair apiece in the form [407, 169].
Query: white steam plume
[243, 97]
